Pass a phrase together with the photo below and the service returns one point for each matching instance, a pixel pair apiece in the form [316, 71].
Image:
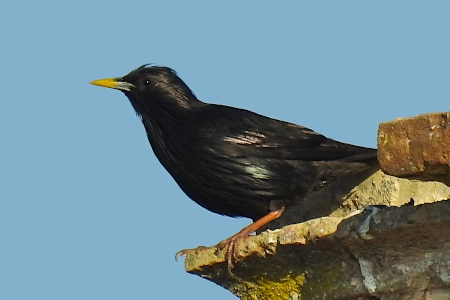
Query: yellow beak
[113, 83]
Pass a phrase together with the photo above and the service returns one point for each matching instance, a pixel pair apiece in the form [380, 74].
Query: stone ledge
[381, 253]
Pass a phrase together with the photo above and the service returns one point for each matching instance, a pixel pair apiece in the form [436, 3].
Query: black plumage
[233, 161]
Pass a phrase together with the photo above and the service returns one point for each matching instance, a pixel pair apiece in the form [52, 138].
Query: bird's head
[152, 88]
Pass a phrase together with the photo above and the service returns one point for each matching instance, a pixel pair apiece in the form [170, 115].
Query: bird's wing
[241, 133]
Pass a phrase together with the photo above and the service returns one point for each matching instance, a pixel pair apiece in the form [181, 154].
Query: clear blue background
[86, 210]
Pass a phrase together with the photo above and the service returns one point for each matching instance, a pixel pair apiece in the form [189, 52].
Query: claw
[230, 243]
[185, 252]
[231, 253]
[180, 254]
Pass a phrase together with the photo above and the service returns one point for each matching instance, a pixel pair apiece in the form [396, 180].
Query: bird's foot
[230, 245]
[277, 208]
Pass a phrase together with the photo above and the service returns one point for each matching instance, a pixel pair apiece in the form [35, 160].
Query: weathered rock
[342, 198]
[417, 147]
[381, 253]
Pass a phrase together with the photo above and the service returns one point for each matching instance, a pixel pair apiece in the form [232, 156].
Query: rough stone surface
[342, 198]
[381, 253]
[367, 237]
[417, 147]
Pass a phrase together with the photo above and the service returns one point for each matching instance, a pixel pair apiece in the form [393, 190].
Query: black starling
[232, 161]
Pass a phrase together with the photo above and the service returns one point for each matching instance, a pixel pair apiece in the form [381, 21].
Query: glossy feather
[232, 161]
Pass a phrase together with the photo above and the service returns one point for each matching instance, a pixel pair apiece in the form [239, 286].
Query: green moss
[288, 288]
[328, 279]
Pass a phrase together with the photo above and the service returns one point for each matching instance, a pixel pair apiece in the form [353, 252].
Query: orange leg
[231, 241]
[277, 208]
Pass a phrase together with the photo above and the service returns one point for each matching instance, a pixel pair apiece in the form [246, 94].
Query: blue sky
[86, 210]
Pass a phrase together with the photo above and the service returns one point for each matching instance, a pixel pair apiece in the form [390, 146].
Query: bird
[232, 161]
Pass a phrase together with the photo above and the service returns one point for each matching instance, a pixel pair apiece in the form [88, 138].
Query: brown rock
[417, 147]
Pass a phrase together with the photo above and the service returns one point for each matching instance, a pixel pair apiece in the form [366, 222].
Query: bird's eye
[146, 82]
